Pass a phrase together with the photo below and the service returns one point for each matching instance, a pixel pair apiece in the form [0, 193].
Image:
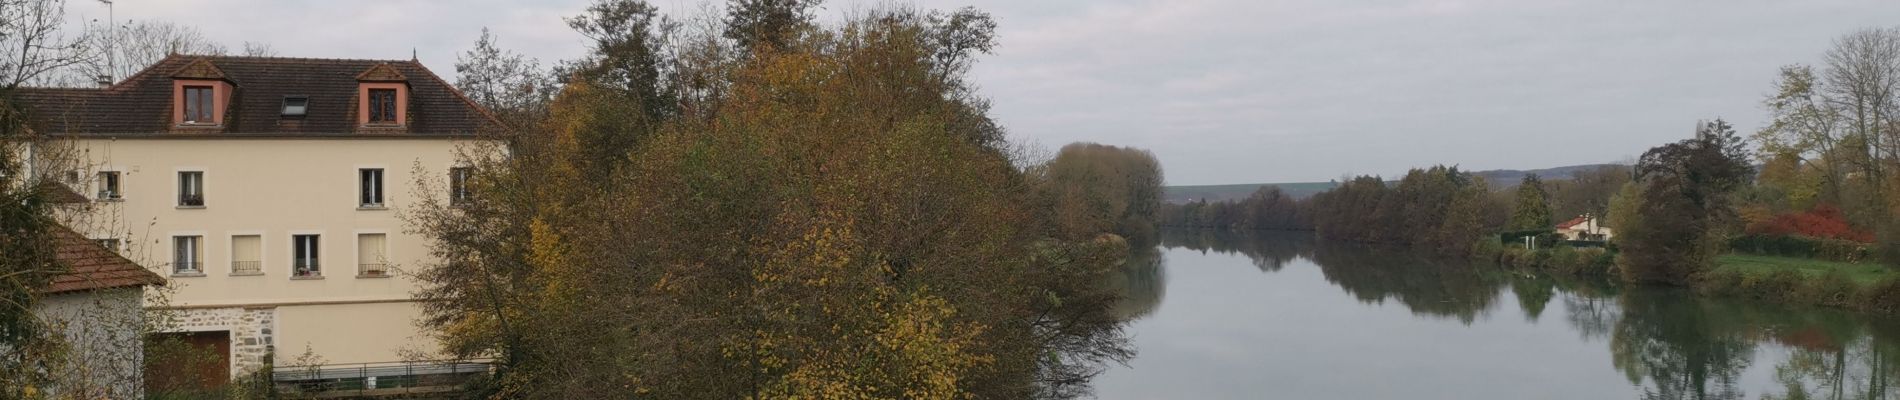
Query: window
[198, 105]
[247, 255]
[458, 186]
[109, 185]
[382, 106]
[295, 106]
[187, 255]
[371, 254]
[109, 244]
[372, 192]
[191, 188]
[304, 256]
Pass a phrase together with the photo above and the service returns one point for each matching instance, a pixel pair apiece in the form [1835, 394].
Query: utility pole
[112, 31]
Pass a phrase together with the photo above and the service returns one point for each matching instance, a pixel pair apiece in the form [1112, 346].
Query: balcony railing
[247, 267]
[373, 269]
[307, 268]
[108, 195]
[191, 200]
[187, 267]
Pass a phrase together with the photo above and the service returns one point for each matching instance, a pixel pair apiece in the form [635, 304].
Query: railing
[247, 267]
[108, 194]
[373, 269]
[187, 267]
[307, 268]
[377, 379]
[191, 200]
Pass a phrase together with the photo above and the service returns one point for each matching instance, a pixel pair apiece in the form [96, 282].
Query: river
[1222, 315]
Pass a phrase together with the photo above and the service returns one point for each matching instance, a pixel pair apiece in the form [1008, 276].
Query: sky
[1237, 91]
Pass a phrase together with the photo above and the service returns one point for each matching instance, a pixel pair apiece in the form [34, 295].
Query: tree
[757, 24]
[32, 45]
[1835, 132]
[1681, 206]
[1093, 188]
[513, 87]
[826, 229]
[618, 95]
[123, 50]
[1532, 208]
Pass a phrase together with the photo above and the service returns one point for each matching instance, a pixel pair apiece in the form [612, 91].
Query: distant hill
[1499, 178]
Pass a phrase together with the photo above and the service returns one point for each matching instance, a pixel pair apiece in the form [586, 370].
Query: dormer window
[295, 106]
[382, 106]
[199, 105]
[382, 99]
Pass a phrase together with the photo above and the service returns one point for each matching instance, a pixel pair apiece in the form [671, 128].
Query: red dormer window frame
[219, 99]
[366, 108]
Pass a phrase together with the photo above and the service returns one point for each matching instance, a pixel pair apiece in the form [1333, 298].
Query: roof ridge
[458, 94]
[278, 58]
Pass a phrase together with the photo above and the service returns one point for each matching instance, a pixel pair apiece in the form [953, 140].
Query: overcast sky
[1240, 91]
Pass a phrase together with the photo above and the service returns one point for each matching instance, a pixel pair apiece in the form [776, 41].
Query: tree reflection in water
[1671, 343]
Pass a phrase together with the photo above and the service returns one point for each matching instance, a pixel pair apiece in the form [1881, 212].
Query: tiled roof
[142, 103]
[91, 266]
[1572, 222]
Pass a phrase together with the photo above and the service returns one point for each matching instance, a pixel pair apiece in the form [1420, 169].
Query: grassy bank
[1854, 286]
[1755, 265]
[1863, 286]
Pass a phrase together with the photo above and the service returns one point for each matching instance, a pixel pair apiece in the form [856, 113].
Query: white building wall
[276, 188]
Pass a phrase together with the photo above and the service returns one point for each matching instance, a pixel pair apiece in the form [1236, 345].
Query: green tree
[767, 23]
[1532, 208]
[1682, 206]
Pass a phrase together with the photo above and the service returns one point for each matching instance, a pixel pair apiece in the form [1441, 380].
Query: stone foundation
[252, 332]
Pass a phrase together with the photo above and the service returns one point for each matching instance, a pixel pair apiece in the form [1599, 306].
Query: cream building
[268, 192]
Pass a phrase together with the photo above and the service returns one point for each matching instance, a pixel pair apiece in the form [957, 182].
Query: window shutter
[245, 248]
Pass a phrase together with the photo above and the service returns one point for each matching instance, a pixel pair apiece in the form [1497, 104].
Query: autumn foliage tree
[838, 223]
[1092, 188]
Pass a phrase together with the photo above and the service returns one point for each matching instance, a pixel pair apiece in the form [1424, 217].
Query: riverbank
[1863, 286]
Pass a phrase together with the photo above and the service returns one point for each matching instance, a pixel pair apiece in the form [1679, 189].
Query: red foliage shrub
[1824, 221]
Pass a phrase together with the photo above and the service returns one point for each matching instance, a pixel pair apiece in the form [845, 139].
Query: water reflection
[1667, 344]
[1143, 281]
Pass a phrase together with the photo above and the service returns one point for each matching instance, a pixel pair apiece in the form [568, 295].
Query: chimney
[104, 80]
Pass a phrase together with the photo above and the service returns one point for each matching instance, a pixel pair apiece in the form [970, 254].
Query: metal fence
[378, 379]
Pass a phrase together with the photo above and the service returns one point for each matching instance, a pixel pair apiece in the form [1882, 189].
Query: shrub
[1882, 296]
[1824, 221]
[1833, 289]
[1802, 247]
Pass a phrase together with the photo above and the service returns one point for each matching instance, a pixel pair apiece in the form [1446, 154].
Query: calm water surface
[1232, 316]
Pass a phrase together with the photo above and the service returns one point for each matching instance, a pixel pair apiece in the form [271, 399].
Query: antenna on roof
[112, 66]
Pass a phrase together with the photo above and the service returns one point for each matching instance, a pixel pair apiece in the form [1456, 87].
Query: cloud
[1240, 90]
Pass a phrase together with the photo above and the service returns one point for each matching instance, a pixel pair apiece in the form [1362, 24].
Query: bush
[1802, 247]
[1834, 289]
[1881, 297]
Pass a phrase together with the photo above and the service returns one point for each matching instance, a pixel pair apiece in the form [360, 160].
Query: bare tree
[134, 45]
[32, 45]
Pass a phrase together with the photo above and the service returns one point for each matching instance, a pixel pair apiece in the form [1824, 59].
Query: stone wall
[252, 332]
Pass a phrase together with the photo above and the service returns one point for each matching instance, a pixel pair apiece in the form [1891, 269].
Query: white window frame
[381, 190]
[201, 249]
[293, 235]
[178, 188]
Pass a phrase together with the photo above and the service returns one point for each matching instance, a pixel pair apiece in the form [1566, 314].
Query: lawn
[1863, 273]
